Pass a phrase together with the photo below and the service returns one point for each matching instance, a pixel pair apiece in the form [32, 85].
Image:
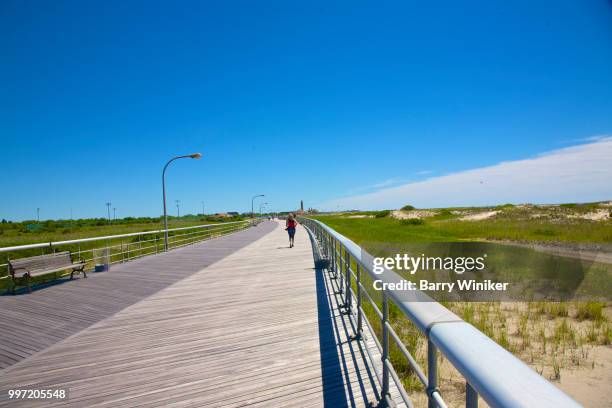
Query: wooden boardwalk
[32, 322]
[259, 327]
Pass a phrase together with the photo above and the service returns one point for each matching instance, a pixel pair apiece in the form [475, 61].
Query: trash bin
[101, 259]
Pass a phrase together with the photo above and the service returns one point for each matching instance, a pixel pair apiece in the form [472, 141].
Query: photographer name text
[425, 285]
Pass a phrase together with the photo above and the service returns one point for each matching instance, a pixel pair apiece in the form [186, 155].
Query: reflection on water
[531, 274]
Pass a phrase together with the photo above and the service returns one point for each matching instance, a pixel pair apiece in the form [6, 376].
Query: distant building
[233, 213]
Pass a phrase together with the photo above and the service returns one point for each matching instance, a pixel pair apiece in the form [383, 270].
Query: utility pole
[114, 214]
[178, 208]
[38, 214]
[108, 206]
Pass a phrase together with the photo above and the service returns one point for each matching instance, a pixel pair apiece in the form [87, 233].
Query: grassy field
[557, 339]
[512, 224]
[29, 232]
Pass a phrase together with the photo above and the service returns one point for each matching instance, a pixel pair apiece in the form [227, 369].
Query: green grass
[444, 228]
[30, 232]
[18, 237]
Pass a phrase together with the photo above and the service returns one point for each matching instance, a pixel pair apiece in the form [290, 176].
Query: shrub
[590, 311]
[556, 309]
[407, 207]
[382, 214]
[412, 221]
[545, 232]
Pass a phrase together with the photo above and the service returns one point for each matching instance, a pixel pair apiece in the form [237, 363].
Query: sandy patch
[599, 215]
[406, 215]
[480, 216]
[590, 384]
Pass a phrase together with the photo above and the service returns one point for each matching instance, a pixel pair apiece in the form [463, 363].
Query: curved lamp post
[188, 156]
[252, 200]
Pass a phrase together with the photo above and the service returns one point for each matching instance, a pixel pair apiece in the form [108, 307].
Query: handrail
[131, 234]
[490, 371]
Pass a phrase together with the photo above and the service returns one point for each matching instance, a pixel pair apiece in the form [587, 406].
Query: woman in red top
[291, 224]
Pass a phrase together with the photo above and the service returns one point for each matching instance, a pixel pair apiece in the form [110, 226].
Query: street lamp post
[261, 206]
[190, 156]
[252, 200]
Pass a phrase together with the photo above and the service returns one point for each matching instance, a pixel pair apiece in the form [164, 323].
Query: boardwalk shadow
[342, 386]
[36, 286]
[333, 382]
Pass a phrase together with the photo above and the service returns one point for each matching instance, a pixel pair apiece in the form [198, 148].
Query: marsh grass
[445, 228]
[549, 336]
[590, 311]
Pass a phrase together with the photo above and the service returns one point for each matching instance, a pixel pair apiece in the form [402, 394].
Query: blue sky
[315, 101]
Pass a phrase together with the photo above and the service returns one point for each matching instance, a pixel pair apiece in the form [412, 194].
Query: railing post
[347, 274]
[385, 347]
[432, 373]
[471, 396]
[333, 259]
[341, 283]
[359, 318]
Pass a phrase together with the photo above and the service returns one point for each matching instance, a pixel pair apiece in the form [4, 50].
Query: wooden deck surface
[260, 327]
[32, 322]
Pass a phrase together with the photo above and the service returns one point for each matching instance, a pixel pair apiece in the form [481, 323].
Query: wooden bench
[27, 268]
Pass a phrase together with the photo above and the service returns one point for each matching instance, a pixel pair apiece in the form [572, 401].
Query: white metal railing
[490, 371]
[125, 247]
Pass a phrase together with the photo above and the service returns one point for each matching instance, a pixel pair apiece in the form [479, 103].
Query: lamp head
[195, 155]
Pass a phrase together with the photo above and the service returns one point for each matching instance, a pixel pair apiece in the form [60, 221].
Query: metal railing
[491, 372]
[124, 247]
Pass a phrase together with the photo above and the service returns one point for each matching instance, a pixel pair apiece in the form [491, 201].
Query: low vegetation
[30, 232]
[509, 223]
[549, 336]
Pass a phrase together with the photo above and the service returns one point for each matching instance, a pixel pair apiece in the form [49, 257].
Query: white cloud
[573, 174]
[386, 183]
[381, 184]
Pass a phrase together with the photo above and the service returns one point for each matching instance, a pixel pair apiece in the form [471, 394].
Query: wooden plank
[260, 327]
[58, 310]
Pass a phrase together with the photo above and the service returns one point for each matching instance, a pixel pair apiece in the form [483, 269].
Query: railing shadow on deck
[337, 377]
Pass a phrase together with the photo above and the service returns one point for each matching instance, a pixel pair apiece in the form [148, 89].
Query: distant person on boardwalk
[290, 227]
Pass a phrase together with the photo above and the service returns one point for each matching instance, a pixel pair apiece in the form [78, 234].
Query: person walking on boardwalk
[290, 227]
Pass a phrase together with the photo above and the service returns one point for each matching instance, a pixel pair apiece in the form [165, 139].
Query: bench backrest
[42, 262]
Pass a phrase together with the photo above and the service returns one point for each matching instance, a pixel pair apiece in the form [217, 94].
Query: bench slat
[40, 262]
[43, 264]
[45, 271]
